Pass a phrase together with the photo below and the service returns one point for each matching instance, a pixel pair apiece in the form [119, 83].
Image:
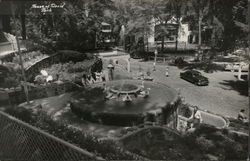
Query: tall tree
[177, 9]
[224, 13]
[75, 27]
[200, 9]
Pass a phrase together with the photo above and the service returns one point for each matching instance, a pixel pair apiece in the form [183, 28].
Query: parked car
[235, 67]
[195, 77]
[179, 61]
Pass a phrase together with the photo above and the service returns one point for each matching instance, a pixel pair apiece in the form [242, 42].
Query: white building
[187, 39]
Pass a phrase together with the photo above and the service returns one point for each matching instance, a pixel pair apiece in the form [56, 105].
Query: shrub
[40, 79]
[97, 66]
[29, 58]
[204, 144]
[74, 56]
[205, 129]
[79, 67]
[233, 150]
[184, 110]
[108, 149]
[24, 114]
[120, 119]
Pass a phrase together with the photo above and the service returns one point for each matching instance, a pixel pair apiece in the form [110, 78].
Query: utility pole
[20, 56]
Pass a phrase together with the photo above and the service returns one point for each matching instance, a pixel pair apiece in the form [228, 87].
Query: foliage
[11, 76]
[108, 149]
[40, 79]
[78, 24]
[204, 144]
[160, 144]
[229, 14]
[73, 27]
[74, 56]
[21, 113]
[184, 110]
[217, 142]
[72, 71]
[29, 58]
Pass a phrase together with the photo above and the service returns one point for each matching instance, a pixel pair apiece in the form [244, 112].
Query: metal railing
[21, 141]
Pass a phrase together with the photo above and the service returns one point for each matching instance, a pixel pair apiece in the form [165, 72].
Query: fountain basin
[125, 88]
[159, 96]
[114, 111]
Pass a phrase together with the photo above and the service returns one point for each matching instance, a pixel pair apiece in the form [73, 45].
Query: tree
[240, 20]
[139, 17]
[225, 13]
[73, 27]
[249, 59]
[199, 8]
[178, 9]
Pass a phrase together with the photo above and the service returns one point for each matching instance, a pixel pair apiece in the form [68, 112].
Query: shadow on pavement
[206, 67]
[239, 86]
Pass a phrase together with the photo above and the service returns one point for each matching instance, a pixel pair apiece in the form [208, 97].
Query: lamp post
[111, 71]
[156, 53]
[20, 56]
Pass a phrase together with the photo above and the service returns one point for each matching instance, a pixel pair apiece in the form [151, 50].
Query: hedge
[116, 119]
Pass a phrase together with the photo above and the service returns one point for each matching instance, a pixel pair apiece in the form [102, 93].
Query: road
[219, 97]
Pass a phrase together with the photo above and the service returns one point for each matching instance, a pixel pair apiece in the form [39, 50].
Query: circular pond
[159, 96]
[93, 105]
[125, 88]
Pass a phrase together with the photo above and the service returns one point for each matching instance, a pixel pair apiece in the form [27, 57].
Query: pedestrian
[142, 84]
[154, 69]
[242, 117]
[167, 74]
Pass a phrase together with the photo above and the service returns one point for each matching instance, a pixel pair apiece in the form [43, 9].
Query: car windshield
[196, 74]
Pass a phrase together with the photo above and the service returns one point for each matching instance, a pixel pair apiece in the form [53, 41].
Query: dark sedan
[195, 77]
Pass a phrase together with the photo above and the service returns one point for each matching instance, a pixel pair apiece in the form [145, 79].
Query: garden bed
[205, 143]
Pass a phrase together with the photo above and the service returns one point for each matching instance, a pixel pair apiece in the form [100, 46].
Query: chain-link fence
[20, 141]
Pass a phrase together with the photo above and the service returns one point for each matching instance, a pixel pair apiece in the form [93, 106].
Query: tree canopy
[78, 23]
